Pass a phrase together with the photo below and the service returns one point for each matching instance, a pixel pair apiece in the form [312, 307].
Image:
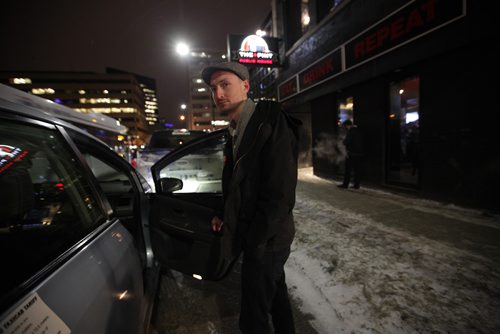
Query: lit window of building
[42, 91]
[20, 81]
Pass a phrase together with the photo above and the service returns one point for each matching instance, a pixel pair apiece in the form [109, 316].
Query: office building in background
[127, 97]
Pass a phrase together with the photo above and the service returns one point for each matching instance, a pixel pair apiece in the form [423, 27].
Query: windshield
[172, 139]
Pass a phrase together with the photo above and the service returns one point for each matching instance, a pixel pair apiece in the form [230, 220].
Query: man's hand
[217, 224]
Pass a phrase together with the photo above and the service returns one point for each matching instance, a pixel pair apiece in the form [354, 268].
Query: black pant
[352, 166]
[264, 293]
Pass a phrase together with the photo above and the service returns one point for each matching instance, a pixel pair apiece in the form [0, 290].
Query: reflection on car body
[81, 234]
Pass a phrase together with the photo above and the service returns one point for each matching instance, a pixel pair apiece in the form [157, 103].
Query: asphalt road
[187, 305]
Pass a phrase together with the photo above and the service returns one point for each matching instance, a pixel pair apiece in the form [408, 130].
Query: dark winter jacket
[353, 142]
[259, 183]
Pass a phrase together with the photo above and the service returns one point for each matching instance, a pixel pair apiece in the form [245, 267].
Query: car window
[173, 138]
[200, 169]
[103, 171]
[47, 202]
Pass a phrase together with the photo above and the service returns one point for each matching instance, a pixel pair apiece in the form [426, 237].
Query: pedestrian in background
[259, 180]
[353, 143]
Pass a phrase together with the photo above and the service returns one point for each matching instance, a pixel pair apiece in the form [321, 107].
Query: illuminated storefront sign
[415, 19]
[253, 50]
[324, 69]
[408, 23]
[321, 70]
[288, 88]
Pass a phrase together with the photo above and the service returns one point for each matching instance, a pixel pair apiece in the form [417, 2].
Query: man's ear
[246, 84]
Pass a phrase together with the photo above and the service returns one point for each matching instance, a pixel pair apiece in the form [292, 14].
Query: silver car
[83, 239]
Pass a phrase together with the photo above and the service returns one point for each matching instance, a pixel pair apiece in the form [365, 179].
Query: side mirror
[170, 184]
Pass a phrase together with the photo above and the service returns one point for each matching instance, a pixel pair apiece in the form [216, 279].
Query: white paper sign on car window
[33, 316]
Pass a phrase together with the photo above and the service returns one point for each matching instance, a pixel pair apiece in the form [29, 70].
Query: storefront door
[403, 133]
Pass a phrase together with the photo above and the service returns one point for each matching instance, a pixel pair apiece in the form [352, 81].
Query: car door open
[188, 195]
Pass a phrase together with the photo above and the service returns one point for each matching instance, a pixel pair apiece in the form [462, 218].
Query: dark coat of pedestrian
[353, 143]
[259, 180]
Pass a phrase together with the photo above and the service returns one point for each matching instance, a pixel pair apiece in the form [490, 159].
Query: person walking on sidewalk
[258, 181]
[353, 143]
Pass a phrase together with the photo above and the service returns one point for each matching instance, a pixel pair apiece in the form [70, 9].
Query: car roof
[47, 109]
[29, 111]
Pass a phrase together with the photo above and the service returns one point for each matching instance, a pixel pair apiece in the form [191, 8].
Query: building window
[403, 132]
[305, 19]
[20, 81]
[346, 110]
[42, 91]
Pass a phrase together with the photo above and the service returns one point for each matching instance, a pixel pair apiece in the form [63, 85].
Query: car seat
[16, 195]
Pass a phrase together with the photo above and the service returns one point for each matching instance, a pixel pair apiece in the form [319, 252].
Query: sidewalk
[460, 227]
[369, 261]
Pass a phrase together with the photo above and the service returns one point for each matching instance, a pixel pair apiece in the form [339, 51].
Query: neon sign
[253, 50]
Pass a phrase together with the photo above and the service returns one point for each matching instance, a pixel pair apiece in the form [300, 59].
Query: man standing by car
[259, 180]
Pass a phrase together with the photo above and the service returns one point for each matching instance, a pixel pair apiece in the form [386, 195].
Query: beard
[228, 106]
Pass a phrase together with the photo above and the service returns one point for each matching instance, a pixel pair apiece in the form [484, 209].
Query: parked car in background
[82, 237]
[161, 143]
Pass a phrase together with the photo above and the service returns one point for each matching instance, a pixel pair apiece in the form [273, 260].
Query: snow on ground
[356, 275]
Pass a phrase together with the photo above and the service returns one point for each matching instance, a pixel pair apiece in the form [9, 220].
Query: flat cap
[240, 70]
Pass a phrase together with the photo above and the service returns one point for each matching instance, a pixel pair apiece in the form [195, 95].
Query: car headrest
[16, 195]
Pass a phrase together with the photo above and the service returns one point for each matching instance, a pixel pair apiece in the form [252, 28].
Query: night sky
[138, 36]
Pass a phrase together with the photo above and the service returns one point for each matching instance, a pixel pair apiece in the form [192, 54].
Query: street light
[182, 48]
[182, 117]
